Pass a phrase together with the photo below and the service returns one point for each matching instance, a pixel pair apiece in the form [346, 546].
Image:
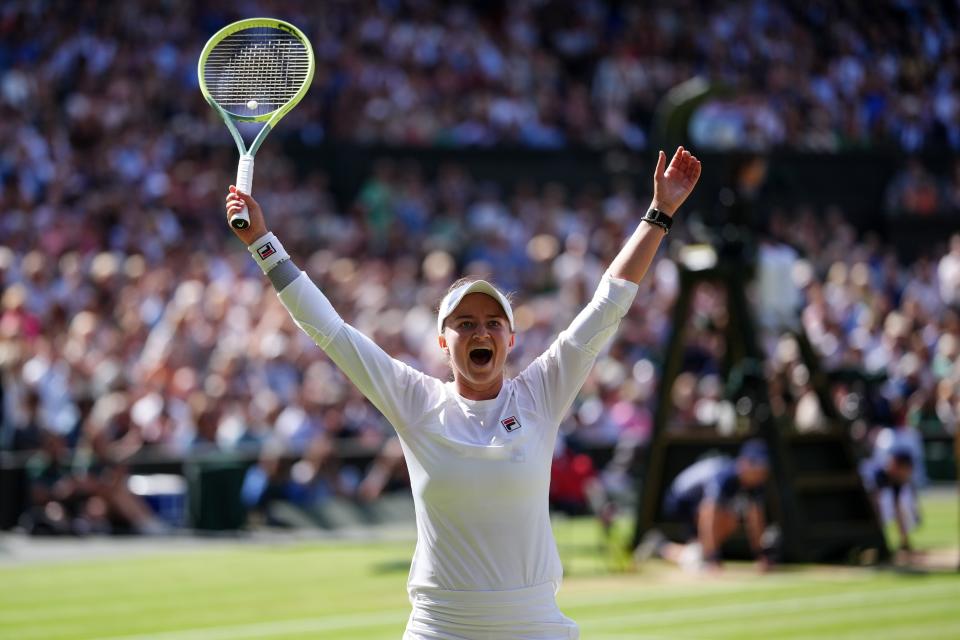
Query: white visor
[452, 299]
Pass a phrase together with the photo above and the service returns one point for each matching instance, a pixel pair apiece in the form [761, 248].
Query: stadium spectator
[71, 496]
[387, 468]
[61, 502]
[26, 435]
[844, 316]
[952, 195]
[576, 488]
[541, 74]
[112, 163]
[711, 498]
[948, 273]
[913, 191]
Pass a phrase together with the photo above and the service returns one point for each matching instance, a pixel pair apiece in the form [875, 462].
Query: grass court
[230, 590]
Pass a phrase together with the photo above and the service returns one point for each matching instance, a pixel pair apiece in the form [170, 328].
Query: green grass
[346, 591]
[940, 522]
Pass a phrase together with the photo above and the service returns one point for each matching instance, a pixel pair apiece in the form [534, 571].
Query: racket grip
[244, 184]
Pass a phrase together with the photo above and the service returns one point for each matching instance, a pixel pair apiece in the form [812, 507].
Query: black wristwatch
[660, 219]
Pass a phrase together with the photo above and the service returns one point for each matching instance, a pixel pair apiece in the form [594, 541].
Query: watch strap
[659, 218]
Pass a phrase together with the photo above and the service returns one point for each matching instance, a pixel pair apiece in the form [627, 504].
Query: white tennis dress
[486, 564]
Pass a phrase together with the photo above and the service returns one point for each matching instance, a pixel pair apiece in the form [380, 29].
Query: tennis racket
[254, 70]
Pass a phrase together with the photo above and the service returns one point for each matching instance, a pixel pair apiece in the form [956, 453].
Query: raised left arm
[560, 371]
[671, 186]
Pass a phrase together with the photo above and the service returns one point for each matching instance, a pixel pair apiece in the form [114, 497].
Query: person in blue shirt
[888, 481]
[711, 497]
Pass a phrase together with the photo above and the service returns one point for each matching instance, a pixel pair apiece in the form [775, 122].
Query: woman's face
[477, 337]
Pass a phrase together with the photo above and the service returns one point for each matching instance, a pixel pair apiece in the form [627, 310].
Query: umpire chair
[815, 494]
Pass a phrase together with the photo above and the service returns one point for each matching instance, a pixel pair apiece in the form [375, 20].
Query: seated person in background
[711, 497]
[108, 442]
[84, 490]
[888, 482]
[61, 502]
[575, 486]
[387, 467]
[68, 497]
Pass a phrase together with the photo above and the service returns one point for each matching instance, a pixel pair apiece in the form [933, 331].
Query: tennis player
[479, 447]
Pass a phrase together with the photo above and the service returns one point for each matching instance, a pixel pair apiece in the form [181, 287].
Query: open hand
[672, 185]
[257, 228]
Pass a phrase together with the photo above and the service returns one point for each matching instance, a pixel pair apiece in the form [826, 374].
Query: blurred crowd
[916, 190]
[888, 330]
[171, 341]
[130, 320]
[805, 74]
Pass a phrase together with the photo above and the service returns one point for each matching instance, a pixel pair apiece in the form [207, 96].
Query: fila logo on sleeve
[511, 423]
[266, 251]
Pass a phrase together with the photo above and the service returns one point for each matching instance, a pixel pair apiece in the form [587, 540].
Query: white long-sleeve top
[479, 470]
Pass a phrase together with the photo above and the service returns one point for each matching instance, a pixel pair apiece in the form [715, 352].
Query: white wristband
[268, 252]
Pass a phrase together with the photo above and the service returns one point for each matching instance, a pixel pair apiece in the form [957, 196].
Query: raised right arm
[401, 393]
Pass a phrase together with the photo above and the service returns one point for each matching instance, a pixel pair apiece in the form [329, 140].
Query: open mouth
[481, 356]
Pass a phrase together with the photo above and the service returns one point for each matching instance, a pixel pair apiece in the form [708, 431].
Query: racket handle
[244, 184]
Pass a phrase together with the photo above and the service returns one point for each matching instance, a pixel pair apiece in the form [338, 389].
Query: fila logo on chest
[511, 423]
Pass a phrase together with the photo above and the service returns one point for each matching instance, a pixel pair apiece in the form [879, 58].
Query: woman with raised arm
[479, 448]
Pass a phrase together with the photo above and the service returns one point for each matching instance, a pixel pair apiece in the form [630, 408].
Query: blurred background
[151, 383]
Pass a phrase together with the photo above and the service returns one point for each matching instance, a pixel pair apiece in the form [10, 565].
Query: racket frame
[245, 165]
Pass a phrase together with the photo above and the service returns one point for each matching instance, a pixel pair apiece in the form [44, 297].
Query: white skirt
[517, 614]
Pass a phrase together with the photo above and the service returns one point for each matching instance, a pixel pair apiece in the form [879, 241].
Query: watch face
[659, 217]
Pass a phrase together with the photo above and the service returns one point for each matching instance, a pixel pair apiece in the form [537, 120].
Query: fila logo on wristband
[268, 251]
[511, 423]
[265, 251]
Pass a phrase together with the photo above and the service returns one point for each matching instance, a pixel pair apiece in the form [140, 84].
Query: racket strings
[266, 65]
